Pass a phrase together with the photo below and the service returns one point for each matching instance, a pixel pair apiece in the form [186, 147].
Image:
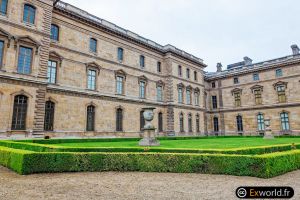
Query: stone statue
[149, 130]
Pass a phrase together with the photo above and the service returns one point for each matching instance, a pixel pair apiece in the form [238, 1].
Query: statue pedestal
[149, 138]
[268, 134]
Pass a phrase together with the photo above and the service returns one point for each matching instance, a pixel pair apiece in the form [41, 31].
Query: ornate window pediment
[5, 34]
[197, 90]
[143, 78]
[190, 88]
[160, 83]
[180, 85]
[53, 54]
[236, 90]
[120, 72]
[27, 40]
[257, 87]
[280, 83]
[93, 65]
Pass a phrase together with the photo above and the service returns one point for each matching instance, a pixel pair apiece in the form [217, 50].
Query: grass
[205, 143]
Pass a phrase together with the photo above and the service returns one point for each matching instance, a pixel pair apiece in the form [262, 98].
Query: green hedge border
[37, 147]
[263, 166]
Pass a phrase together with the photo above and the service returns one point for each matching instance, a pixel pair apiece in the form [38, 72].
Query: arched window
[239, 123]
[190, 123]
[260, 122]
[93, 45]
[3, 7]
[49, 116]
[90, 122]
[285, 125]
[19, 113]
[54, 32]
[119, 119]
[120, 54]
[29, 14]
[197, 123]
[160, 122]
[181, 123]
[142, 120]
[216, 124]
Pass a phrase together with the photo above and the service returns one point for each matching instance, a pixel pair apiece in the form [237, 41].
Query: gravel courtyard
[116, 185]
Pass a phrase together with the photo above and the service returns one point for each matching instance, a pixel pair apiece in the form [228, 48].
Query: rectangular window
[120, 85]
[180, 95]
[179, 70]
[260, 122]
[257, 96]
[159, 93]
[159, 67]
[237, 99]
[255, 77]
[281, 93]
[213, 84]
[142, 61]
[188, 73]
[91, 79]
[1, 53]
[25, 60]
[3, 7]
[195, 76]
[29, 14]
[188, 97]
[236, 80]
[214, 102]
[285, 125]
[54, 32]
[93, 45]
[142, 89]
[278, 72]
[216, 124]
[120, 54]
[196, 98]
[51, 75]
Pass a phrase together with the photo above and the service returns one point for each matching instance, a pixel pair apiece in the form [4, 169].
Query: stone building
[65, 72]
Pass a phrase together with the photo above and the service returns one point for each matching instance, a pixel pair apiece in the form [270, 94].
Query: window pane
[3, 7]
[51, 75]
[119, 119]
[19, 112]
[119, 85]
[142, 61]
[188, 97]
[90, 124]
[91, 79]
[1, 52]
[160, 122]
[142, 89]
[29, 14]
[24, 60]
[278, 72]
[93, 45]
[159, 93]
[120, 54]
[180, 100]
[49, 116]
[54, 32]
[158, 66]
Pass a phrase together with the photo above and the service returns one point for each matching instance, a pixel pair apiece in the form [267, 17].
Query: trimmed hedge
[264, 166]
[244, 151]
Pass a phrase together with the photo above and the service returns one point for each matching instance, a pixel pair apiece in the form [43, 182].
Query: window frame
[120, 54]
[142, 121]
[190, 123]
[237, 99]
[142, 89]
[51, 67]
[197, 123]
[278, 73]
[188, 71]
[6, 7]
[181, 123]
[256, 77]
[179, 70]
[236, 80]
[49, 116]
[142, 62]
[285, 121]
[34, 18]
[158, 66]
[195, 76]
[90, 78]
[17, 109]
[214, 100]
[90, 112]
[58, 31]
[2, 54]
[160, 84]
[216, 124]
[160, 122]
[119, 119]
[31, 59]
[189, 96]
[91, 47]
[260, 119]
[239, 124]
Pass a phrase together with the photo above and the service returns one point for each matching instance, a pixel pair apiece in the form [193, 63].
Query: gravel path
[116, 185]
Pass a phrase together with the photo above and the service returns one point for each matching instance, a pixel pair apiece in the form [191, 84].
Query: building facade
[65, 72]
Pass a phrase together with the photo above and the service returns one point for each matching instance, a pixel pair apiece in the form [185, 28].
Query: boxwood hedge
[264, 166]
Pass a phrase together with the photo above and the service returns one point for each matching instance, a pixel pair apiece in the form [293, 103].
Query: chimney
[247, 60]
[295, 49]
[219, 67]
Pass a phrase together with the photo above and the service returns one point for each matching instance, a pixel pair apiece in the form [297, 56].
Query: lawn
[204, 143]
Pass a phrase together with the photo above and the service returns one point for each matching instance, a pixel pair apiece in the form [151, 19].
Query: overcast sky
[215, 30]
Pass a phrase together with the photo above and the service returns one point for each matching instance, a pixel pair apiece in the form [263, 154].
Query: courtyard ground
[116, 185]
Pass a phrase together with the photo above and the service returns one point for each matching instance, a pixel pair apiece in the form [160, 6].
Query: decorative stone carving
[149, 129]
